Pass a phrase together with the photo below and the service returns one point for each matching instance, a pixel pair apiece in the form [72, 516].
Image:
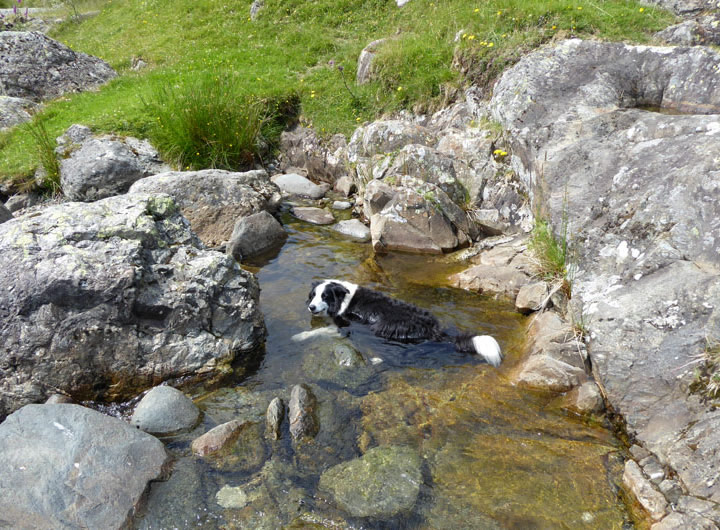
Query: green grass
[210, 122]
[550, 252]
[288, 49]
[707, 375]
[45, 153]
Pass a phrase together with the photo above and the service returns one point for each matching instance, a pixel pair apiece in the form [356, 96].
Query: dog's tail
[484, 345]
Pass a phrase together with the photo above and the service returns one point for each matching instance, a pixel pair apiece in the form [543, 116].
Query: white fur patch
[329, 331]
[488, 348]
[352, 288]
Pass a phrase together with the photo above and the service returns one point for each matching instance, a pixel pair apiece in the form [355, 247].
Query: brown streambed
[493, 455]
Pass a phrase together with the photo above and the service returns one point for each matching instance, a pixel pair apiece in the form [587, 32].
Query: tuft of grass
[550, 252]
[45, 155]
[707, 376]
[210, 123]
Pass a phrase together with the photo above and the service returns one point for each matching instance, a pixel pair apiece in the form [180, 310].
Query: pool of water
[492, 455]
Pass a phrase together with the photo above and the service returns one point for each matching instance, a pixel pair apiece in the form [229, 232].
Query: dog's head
[327, 298]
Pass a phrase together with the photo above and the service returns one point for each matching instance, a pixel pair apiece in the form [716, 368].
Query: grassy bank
[295, 48]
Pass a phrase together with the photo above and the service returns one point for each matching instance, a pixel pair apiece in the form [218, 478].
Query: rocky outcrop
[14, 111]
[213, 199]
[103, 299]
[37, 67]
[322, 159]
[96, 167]
[66, 466]
[165, 410]
[435, 187]
[639, 191]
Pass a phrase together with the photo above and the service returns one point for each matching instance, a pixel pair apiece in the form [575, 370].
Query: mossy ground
[289, 49]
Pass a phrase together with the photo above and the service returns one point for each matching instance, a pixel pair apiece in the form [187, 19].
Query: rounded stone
[382, 483]
[165, 410]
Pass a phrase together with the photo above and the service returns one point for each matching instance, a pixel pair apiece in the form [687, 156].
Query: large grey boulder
[640, 190]
[99, 167]
[213, 199]
[104, 299]
[255, 234]
[66, 466]
[383, 483]
[14, 111]
[37, 67]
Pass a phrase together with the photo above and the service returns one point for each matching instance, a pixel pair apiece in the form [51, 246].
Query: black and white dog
[392, 319]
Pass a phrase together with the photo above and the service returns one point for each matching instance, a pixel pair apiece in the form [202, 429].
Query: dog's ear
[334, 296]
[312, 292]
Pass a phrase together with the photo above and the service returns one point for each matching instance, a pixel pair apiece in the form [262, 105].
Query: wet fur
[386, 317]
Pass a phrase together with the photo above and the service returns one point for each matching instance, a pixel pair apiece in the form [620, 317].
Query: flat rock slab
[316, 216]
[66, 466]
[353, 228]
[383, 483]
[294, 184]
[37, 67]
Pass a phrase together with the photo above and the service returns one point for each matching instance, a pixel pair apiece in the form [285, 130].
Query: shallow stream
[492, 455]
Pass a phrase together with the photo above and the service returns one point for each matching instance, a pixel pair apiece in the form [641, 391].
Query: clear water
[494, 456]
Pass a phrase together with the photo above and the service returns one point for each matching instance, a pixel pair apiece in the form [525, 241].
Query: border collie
[392, 319]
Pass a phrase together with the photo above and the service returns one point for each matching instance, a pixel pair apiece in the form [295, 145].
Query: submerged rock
[217, 438]
[213, 199]
[180, 499]
[165, 410]
[274, 417]
[382, 483]
[66, 466]
[302, 413]
[37, 67]
[101, 300]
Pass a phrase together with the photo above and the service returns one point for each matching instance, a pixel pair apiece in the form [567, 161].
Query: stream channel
[491, 455]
